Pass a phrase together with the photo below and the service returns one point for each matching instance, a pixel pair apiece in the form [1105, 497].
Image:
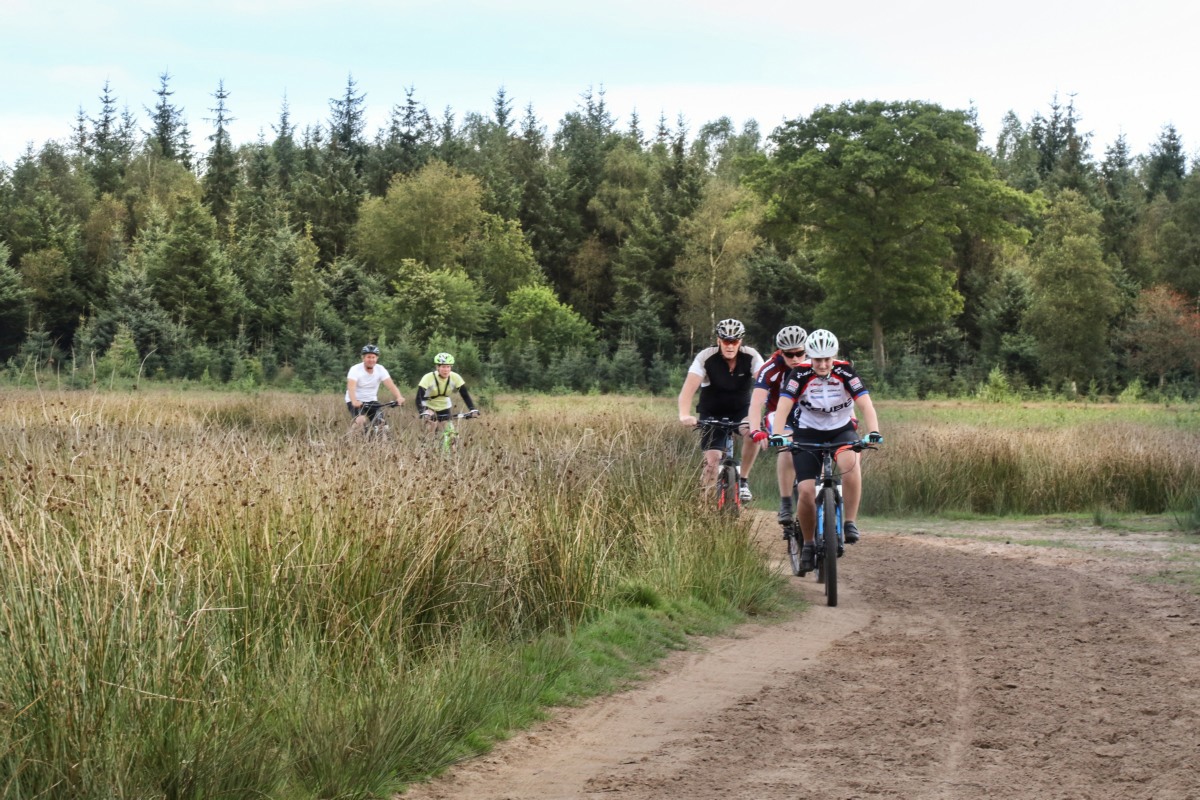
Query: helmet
[791, 338]
[370, 349]
[821, 344]
[443, 358]
[730, 329]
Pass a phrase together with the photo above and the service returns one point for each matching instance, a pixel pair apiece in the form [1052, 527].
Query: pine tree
[347, 126]
[1121, 206]
[221, 174]
[1166, 166]
[168, 134]
[106, 150]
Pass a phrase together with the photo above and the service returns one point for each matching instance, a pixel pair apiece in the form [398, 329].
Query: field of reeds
[1032, 459]
[208, 595]
[217, 595]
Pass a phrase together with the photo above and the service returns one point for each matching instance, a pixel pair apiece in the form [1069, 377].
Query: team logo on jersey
[856, 383]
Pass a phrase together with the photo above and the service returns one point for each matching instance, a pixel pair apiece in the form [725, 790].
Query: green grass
[216, 595]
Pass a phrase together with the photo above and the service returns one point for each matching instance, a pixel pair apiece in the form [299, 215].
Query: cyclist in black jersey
[724, 376]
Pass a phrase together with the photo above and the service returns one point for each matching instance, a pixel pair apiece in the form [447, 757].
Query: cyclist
[362, 386]
[790, 354]
[435, 388]
[724, 375]
[818, 400]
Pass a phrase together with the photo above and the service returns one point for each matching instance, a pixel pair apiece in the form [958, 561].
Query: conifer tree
[220, 174]
[168, 134]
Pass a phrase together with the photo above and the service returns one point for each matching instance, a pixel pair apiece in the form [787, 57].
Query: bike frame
[728, 496]
[828, 538]
[376, 426]
[446, 432]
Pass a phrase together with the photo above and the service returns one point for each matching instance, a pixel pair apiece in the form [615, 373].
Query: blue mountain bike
[829, 542]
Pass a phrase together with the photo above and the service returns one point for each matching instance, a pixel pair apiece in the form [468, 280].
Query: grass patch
[214, 595]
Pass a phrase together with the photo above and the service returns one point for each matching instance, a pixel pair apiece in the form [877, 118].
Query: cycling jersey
[771, 376]
[366, 384]
[725, 390]
[824, 404]
[434, 392]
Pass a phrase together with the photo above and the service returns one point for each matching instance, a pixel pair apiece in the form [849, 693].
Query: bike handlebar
[377, 404]
[723, 422]
[821, 447]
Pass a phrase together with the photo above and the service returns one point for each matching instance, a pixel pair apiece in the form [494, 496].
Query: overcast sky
[1127, 65]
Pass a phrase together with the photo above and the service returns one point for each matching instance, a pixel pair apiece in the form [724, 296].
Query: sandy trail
[951, 668]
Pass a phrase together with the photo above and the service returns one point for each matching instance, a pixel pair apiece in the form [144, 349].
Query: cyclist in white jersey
[818, 400]
[362, 386]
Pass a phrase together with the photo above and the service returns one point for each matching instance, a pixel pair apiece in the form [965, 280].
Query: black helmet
[370, 349]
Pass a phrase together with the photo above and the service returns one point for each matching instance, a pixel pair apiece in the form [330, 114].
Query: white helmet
[791, 338]
[821, 344]
[730, 329]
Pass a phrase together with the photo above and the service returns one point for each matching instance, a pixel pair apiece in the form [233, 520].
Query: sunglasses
[793, 353]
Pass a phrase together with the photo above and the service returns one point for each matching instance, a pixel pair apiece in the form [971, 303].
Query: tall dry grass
[212, 595]
[930, 466]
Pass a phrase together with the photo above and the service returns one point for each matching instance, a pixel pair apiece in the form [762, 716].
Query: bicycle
[828, 541]
[728, 470]
[446, 439]
[377, 426]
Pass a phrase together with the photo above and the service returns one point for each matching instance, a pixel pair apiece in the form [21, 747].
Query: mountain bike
[828, 540]
[728, 470]
[377, 426]
[446, 437]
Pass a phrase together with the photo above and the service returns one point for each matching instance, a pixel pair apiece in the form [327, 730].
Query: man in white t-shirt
[362, 386]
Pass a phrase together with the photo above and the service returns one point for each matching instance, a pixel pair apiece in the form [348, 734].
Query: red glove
[759, 437]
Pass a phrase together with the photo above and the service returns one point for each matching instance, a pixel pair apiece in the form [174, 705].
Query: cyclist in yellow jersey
[434, 390]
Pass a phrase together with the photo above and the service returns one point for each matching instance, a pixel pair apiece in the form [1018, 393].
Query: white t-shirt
[366, 384]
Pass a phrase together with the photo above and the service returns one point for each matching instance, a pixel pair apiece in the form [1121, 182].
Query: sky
[1126, 66]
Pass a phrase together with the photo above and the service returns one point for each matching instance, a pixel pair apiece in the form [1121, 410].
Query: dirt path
[951, 668]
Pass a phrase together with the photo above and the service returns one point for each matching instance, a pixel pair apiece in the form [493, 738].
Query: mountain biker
[765, 397]
[434, 390]
[362, 386]
[818, 401]
[724, 375]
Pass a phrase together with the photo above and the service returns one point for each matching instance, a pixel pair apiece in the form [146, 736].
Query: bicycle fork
[836, 488]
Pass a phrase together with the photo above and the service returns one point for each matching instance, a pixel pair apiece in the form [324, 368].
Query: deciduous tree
[877, 191]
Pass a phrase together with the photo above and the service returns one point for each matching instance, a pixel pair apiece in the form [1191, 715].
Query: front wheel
[794, 543]
[727, 490]
[829, 560]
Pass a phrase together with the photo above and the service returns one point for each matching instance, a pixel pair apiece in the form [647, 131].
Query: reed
[214, 595]
[1115, 464]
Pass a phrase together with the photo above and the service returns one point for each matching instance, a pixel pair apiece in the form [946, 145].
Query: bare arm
[782, 411]
[690, 384]
[351, 385]
[391, 385]
[870, 419]
[758, 402]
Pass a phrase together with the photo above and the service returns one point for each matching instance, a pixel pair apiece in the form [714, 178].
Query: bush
[624, 371]
[318, 366]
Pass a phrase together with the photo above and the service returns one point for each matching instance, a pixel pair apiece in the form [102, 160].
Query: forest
[596, 255]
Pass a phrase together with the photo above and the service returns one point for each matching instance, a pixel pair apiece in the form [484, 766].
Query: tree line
[599, 255]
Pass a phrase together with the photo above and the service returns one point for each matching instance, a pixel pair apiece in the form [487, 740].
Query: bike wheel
[794, 543]
[727, 490]
[829, 553]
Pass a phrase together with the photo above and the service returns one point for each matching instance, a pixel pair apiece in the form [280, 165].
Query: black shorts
[808, 463]
[369, 411]
[713, 438]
